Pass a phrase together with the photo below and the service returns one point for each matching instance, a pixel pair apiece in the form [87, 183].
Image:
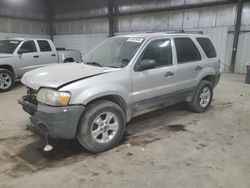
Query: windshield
[114, 52]
[8, 46]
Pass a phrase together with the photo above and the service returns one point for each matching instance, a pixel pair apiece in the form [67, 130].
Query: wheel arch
[210, 78]
[9, 68]
[117, 99]
[69, 59]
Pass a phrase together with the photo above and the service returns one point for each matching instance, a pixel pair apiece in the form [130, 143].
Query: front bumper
[54, 122]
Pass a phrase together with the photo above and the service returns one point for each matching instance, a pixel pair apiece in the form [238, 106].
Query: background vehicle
[17, 56]
[122, 77]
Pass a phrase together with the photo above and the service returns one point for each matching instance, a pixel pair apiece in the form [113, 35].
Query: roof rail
[194, 32]
[168, 31]
[175, 31]
[183, 31]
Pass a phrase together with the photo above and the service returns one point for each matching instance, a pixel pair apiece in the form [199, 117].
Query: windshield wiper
[94, 63]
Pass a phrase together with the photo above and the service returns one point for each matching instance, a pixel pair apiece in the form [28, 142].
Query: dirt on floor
[172, 147]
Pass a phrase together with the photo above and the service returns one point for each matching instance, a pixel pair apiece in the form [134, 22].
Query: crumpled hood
[3, 55]
[54, 76]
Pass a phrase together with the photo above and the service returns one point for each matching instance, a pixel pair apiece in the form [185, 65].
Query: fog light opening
[47, 147]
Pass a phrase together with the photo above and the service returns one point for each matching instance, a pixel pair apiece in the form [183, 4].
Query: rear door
[47, 52]
[189, 62]
[153, 87]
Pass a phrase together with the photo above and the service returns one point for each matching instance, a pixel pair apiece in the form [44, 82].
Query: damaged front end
[51, 121]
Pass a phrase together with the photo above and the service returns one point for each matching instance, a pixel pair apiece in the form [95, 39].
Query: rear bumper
[55, 122]
[217, 78]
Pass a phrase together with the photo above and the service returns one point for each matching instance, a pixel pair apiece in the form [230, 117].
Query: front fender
[95, 92]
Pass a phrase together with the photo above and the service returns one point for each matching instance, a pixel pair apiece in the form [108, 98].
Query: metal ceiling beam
[23, 18]
[179, 7]
[50, 11]
[111, 17]
[236, 34]
[165, 9]
[80, 18]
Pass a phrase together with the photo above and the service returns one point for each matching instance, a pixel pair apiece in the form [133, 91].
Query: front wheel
[101, 126]
[202, 97]
[6, 80]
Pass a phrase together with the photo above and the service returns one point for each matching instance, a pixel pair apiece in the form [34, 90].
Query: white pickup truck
[18, 56]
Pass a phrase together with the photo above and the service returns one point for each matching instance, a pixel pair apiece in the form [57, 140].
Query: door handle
[53, 55]
[167, 74]
[36, 56]
[197, 68]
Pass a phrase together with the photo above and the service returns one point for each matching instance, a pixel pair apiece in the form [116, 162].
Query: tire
[92, 131]
[200, 103]
[7, 80]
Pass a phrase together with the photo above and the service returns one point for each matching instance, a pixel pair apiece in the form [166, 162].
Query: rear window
[186, 50]
[207, 46]
[44, 46]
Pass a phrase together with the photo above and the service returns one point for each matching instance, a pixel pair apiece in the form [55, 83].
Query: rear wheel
[6, 80]
[70, 60]
[101, 126]
[202, 98]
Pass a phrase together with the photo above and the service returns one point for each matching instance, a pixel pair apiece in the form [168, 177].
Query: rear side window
[186, 50]
[44, 46]
[207, 46]
[160, 51]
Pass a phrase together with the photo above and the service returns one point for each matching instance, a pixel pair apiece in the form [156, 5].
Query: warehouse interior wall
[23, 18]
[82, 24]
[216, 21]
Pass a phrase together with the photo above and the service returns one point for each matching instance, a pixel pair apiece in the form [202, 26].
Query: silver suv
[121, 78]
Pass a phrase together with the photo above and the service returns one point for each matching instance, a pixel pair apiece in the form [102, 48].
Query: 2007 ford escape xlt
[121, 78]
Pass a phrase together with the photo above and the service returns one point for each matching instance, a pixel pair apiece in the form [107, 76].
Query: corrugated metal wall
[217, 16]
[74, 29]
[9, 25]
[218, 22]
[23, 17]
[81, 42]
[243, 53]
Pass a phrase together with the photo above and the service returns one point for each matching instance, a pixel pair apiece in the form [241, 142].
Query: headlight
[53, 97]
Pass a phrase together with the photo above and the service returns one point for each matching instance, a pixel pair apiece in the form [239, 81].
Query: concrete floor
[167, 148]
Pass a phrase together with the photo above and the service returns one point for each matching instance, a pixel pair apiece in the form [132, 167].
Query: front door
[28, 57]
[155, 86]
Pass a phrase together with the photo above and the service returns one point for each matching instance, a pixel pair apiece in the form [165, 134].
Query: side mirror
[20, 51]
[146, 64]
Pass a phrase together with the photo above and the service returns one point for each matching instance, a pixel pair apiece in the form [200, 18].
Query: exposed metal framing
[23, 18]
[165, 9]
[236, 34]
[50, 7]
[111, 17]
[179, 7]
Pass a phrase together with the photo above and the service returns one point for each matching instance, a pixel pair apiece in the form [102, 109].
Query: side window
[44, 46]
[207, 46]
[186, 50]
[159, 50]
[28, 47]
